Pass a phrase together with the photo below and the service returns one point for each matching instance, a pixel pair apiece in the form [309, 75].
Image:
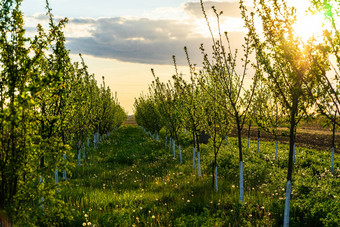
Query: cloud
[141, 40]
[229, 8]
[151, 40]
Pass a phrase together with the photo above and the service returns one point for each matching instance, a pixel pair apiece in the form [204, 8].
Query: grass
[132, 180]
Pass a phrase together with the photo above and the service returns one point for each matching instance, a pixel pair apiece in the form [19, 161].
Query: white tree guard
[332, 161]
[174, 148]
[276, 150]
[64, 172]
[258, 145]
[199, 163]
[170, 142]
[180, 154]
[216, 184]
[157, 137]
[56, 176]
[193, 157]
[94, 141]
[241, 183]
[83, 152]
[79, 161]
[41, 201]
[287, 204]
[248, 143]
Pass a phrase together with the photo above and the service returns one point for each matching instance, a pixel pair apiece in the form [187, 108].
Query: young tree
[267, 113]
[36, 99]
[192, 97]
[328, 94]
[230, 83]
[167, 97]
[147, 114]
[215, 122]
[285, 67]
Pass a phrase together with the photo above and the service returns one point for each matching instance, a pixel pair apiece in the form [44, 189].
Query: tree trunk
[258, 139]
[194, 149]
[198, 156]
[249, 132]
[333, 144]
[240, 157]
[214, 171]
[292, 134]
[276, 149]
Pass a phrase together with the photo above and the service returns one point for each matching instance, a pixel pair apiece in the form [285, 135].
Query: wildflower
[188, 201]
[84, 224]
[89, 223]
[85, 215]
[250, 215]
[153, 217]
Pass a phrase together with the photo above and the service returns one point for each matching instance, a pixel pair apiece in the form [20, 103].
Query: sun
[309, 26]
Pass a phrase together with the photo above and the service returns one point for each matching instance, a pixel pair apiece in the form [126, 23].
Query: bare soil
[310, 135]
[130, 120]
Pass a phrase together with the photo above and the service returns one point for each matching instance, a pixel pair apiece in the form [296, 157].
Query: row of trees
[290, 79]
[48, 106]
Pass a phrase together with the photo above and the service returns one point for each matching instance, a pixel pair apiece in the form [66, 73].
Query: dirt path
[130, 120]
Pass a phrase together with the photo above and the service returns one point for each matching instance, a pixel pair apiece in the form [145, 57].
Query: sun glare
[309, 26]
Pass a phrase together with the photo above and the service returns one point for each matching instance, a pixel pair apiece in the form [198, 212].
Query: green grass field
[132, 180]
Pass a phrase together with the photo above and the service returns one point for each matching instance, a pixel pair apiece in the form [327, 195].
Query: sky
[122, 40]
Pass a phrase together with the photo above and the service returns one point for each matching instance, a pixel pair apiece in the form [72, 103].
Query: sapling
[191, 97]
[233, 99]
[280, 54]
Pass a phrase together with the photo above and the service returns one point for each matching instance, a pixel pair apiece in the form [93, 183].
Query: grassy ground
[134, 180]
